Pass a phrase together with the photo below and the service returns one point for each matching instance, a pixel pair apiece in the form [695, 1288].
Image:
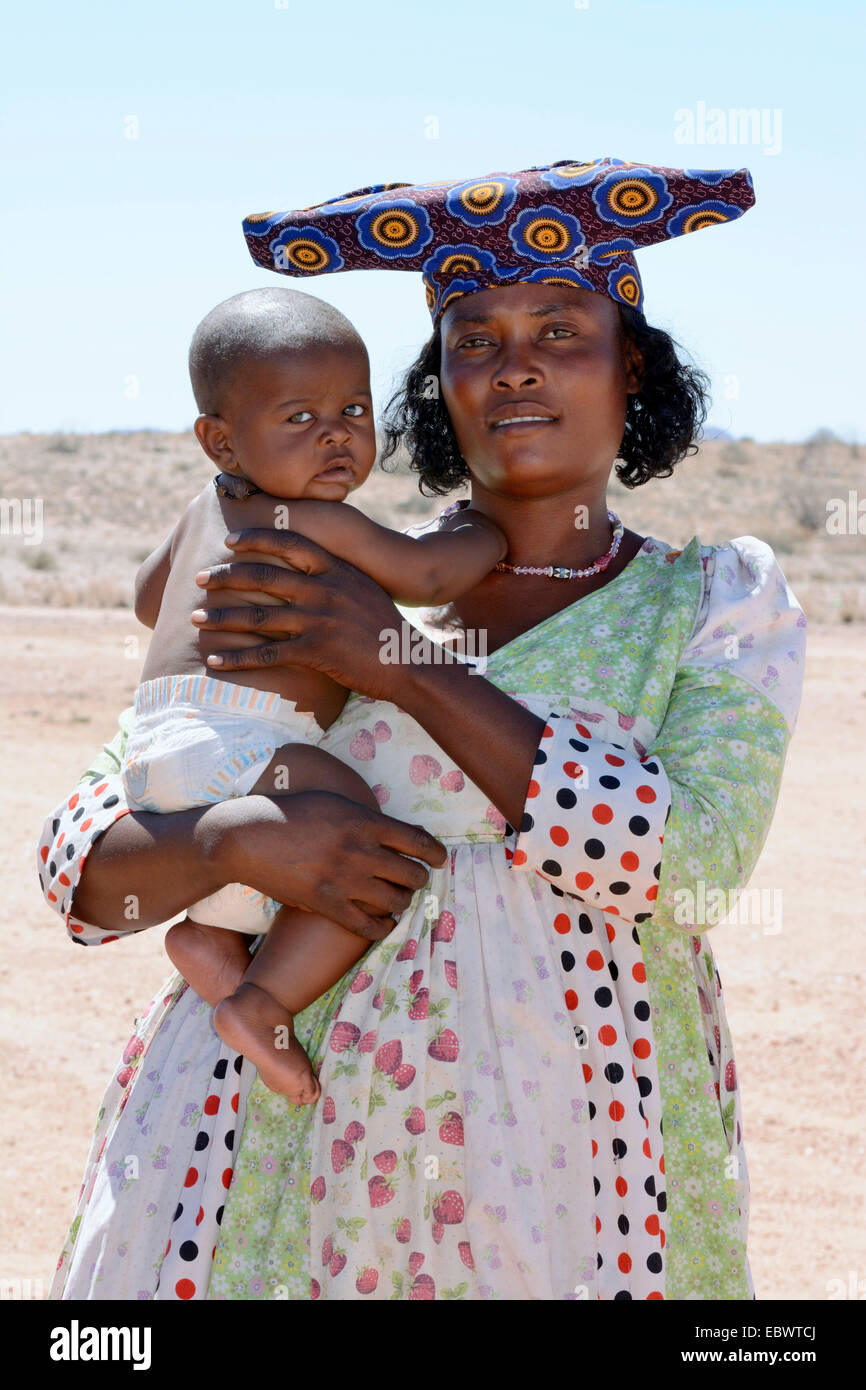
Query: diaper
[197, 741]
[237, 908]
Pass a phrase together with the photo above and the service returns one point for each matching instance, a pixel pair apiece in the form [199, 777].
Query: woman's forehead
[530, 300]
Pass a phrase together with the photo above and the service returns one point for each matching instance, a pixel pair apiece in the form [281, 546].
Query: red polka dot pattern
[595, 823]
[592, 828]
[65, 844]
[186, 1269]
[612, 1031]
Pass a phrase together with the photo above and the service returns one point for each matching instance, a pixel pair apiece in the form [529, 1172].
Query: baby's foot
[259, 1026]
[211, 960]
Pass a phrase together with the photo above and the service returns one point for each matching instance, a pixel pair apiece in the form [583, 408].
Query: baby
[282, 383]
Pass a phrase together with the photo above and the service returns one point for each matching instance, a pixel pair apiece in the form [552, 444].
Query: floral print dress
[528, 1089]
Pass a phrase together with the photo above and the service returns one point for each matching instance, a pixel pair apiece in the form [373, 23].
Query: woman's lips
[524, 422]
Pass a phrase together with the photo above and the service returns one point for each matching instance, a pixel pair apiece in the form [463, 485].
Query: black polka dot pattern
[186, 1268]
[615, 1048]
[66, 840]
[594, 821]
[593, 829]
[67, 836]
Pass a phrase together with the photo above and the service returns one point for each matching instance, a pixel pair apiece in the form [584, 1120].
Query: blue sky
[113, 248]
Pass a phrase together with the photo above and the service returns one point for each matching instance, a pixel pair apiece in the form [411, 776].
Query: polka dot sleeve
[675, 834]
[71, 829]
[594, 821]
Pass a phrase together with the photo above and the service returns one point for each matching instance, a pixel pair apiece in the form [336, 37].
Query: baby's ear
[214, 435]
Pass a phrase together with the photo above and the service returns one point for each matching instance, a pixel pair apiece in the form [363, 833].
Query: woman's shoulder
[750, 553]
[738, 572]
[748, 622]
[730, 570]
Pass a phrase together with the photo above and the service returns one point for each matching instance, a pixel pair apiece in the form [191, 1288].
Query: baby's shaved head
[255, 326]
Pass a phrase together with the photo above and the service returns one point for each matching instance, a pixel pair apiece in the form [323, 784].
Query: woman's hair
[662, 422]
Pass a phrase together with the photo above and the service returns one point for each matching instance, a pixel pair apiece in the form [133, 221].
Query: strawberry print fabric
[529, 1089]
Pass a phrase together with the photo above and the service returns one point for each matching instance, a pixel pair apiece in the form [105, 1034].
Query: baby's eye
[359, 408]
[296, 418]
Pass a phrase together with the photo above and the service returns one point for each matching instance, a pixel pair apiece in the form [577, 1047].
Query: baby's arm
[150, 582]
[430, 570]
[152, 576]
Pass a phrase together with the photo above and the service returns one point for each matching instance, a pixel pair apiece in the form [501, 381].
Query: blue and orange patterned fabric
[575, 222]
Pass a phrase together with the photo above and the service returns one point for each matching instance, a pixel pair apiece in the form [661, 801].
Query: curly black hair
[663, 419]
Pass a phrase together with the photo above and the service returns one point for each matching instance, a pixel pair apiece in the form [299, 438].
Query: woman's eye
[559, 329]
[296, 418]
[472, 342]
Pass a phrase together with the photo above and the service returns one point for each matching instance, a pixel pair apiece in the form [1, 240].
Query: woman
[528, 1088]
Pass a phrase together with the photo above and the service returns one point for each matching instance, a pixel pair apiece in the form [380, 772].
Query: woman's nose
[516, 368]
[516, 381]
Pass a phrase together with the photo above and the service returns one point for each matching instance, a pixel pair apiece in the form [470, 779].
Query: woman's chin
[529, 473]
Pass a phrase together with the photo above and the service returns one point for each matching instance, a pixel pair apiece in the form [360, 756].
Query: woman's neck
[505, 605]
[570, 529]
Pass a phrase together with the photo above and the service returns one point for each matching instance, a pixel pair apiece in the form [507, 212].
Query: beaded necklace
[556, 571]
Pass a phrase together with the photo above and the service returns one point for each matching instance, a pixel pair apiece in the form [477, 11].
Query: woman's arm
[311, 850]
[144, 869]
[674, 835]
[110, 872]
[486, 733]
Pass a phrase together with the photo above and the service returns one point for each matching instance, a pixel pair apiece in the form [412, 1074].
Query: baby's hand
[470, 516]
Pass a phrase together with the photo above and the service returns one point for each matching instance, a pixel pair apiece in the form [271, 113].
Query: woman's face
[534, 350]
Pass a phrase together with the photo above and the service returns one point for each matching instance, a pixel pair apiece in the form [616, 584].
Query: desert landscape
[72, 651]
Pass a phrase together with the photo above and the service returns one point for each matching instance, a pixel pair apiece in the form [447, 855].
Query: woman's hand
[330, 618]
[322, 852]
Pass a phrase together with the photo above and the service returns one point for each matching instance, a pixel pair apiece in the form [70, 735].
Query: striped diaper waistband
[205, 692]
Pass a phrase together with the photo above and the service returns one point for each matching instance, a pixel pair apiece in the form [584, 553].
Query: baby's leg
[212, 960]
[302, 955]
[301, 767]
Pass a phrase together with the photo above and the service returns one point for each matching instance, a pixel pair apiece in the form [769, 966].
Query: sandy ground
[794, 996]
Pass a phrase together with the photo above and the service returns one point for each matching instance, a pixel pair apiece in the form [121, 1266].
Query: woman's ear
[634, 365]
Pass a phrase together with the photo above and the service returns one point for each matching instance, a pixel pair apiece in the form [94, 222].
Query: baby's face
[302, 423]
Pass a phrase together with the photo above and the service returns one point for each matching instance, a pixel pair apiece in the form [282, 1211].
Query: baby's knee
[298, 767]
